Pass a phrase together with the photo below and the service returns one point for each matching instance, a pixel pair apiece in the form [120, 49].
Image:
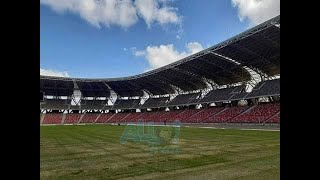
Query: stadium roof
[257, 48]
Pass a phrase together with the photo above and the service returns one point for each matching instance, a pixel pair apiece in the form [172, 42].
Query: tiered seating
[107, 107]
[52, 118]
[262, 113]
[147, 116]
[238, 93]
[168, 116]
[89, 118]
[274, 119]
[258, 113]
[72, 118]
[186, 115]
[116, 118]
[204, 114]
[93, 104]
[155, 102]
[266, 88]
[183, 99]
[238, 96]
[137, 105]
[195, 99]
[104, 117]
[132, 117]
[221, 94]
[74, 107]
[125, 103]
[225, 115]
[157, 116]
[56, 104]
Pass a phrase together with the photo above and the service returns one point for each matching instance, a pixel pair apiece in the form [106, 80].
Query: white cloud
[157, 11]
[97, 13]
[194, 47]
[123, 13]
[125, 49]
[257, 11]
[50, 72]
[158, 56]
[139, 53]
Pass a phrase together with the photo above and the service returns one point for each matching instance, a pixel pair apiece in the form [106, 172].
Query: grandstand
[235, 81]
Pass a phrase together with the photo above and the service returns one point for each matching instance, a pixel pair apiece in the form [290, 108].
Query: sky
[118, 38]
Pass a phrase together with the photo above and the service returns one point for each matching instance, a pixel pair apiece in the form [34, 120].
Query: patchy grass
[95, 152]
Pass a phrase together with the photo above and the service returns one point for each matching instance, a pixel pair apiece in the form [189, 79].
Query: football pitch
[95, 152]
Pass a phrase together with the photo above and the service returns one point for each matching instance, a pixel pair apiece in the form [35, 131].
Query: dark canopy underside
[260, 51]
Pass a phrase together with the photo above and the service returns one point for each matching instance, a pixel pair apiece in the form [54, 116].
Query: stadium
[226, 99]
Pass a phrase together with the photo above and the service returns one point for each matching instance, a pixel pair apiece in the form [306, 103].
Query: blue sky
[82, 38]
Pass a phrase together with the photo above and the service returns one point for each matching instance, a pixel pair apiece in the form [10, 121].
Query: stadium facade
[235, 81]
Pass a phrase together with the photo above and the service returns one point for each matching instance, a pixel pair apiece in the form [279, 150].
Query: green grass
[95, 152]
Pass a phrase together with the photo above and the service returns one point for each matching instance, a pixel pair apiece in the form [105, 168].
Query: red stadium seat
[72, 118]
[225, 115]
[104, 117]
[258, 114]
[262, 113]
[117, 118]
[89, 118]
[52, 118]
